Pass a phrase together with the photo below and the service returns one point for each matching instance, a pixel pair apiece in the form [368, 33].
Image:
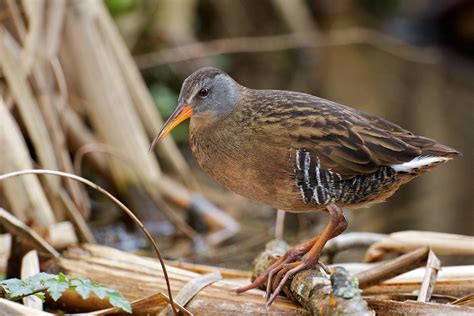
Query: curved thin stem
[116, 201]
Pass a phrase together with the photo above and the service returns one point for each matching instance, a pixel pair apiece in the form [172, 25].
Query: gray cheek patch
[224, 95]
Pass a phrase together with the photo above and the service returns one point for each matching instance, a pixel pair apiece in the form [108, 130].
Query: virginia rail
[299, 153]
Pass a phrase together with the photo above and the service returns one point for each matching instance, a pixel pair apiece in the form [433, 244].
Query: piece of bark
[335, 295]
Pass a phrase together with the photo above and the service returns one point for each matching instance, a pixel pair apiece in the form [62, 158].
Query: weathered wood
[406, 241]
[14, 309]
[138, 277]
[16, 226]
[388, 307]
[392, 268]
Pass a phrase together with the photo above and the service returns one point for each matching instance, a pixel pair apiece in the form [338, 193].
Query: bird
[298, 153]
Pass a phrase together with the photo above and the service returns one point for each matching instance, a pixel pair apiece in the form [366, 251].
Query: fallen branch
[392, 268]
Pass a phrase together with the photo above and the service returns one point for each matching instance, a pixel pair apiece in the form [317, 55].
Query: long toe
[287, 275]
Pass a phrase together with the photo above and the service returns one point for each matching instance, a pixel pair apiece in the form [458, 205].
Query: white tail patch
[417, 163]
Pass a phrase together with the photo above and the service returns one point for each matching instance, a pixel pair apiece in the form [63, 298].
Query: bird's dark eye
[203, 92]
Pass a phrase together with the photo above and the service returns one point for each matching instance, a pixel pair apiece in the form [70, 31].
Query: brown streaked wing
[347, 141]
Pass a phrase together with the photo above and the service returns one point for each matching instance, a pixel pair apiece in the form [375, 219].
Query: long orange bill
[182, 112]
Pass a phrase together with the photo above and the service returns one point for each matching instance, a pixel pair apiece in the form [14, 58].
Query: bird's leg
[337, 224]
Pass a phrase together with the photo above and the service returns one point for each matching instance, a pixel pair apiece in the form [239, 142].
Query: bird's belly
[254, 181]
[262, 179]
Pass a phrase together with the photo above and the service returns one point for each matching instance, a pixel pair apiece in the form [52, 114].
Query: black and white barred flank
[323, 186]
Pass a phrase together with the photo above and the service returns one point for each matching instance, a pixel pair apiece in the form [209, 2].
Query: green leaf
[99, 290]
[40, 295]
[15, 288]
[55, 285]
[62, 277]
[56, 288]
[83, 287]
[38, 281]
[117, 300]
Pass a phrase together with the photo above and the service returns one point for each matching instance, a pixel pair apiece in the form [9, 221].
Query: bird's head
[207, 94]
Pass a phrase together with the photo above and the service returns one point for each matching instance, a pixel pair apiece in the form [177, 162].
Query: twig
[392, 268]
[431, 273]
[116, 201]
[344, 37]
[16, 226]
[280, 224]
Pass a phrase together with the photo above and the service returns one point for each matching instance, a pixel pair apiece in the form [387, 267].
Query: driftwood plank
[138, 277]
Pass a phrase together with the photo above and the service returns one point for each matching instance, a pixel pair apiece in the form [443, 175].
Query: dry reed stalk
[30, 266]
[145, 106]
[108, 103]
[18, 228]
[33, 206]
[405, 241]
[85, 59]
[49, 141]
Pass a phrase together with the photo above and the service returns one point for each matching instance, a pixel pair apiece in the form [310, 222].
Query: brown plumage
[297, 152]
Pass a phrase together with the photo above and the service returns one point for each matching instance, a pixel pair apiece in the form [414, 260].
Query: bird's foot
[276, 272]
[277, 278]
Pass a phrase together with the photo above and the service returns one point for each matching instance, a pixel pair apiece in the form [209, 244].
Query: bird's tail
[431, 148]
